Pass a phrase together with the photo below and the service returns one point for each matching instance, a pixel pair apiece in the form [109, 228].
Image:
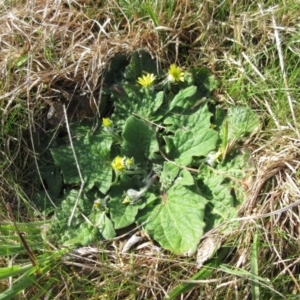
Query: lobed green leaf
[139, 140]
[177, 223]
[93, 155]
[186, 144]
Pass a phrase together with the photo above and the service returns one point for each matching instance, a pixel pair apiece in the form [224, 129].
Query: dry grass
[272, 211]
[53, 47]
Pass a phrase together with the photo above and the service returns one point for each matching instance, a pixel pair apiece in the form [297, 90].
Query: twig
[30, 121]
[253, 66]
[77, 165]
[275, 212]
[285, 266]
[278, 44]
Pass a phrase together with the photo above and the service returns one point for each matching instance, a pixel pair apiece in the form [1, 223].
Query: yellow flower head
[129, 162]
[146, 80]
[97, 204]
[107, 122]
[175, 74]
[126, 200]
[118, 164]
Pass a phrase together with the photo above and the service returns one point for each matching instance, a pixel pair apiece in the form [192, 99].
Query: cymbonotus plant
[167, 158]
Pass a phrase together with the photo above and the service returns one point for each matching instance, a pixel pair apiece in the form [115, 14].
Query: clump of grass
[267, 217]
[55, 47]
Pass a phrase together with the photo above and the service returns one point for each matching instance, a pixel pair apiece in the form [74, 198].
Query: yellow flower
[175, 74]
[97, 204]
[129, 162]
[118, 163]
[146, 80]
[106, 122]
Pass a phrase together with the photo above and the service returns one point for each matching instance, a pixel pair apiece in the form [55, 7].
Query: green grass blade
[245, 274]
[13, 271]
[24, 283]
[152, 14]
[44, 289]
[204, 273]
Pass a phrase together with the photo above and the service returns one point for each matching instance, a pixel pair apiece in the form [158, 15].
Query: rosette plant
[166, 157]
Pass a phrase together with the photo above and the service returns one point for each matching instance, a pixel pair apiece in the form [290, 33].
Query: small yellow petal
[97, 204]
[106, 122]
[129, 162]
[118, 164]
[175, 74]
[146, 80]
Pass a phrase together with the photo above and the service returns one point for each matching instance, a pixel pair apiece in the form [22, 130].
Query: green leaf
[186, 144]
[141, 61]
[129, 103]
[185, 178]
[241, 121]
[190, 119]
[203, 79]
[168, 174]
[95, 226]
[47, 172]
[52, 178]
[221, 204]
[221, 207]
[159, 100]
[44, 204]
[177, 223]
[59, 225]
[171, 172]
[85, 235]
[193, 136]
[139, 138]
[104, 225]
[182, 98]
[93, 155]
[236, 165]
[134, 99]
[144, 103]
[122, 214]
[115, 72]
